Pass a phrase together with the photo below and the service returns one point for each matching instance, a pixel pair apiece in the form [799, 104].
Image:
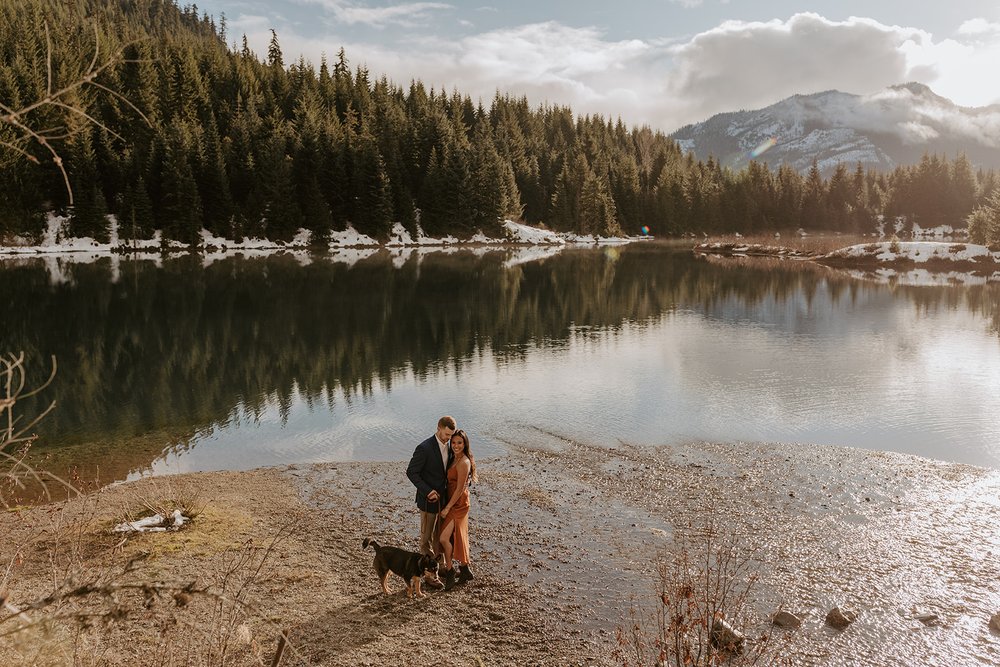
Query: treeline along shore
[203, 133]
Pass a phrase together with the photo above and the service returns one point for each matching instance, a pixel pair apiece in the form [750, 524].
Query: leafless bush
[16, 435]
[208, 620]
[98, 603]
[702, 610]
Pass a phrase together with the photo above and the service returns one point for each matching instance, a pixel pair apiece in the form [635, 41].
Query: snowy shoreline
[901, 262]
[55, 241]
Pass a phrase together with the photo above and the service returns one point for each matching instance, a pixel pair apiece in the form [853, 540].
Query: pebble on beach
[840, 618]
[785, 619]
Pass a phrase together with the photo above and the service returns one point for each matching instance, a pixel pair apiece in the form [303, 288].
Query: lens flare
[760, 150]
[645, 230]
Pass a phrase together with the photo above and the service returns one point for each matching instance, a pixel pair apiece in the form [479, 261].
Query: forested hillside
[246, 144]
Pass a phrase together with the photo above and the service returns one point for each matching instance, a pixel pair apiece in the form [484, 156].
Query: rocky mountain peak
[894, 126]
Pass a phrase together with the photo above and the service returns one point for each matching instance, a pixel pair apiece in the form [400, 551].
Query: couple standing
[442, 468]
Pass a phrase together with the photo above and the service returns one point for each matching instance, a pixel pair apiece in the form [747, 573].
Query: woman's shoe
[449, 579]
[464, 574]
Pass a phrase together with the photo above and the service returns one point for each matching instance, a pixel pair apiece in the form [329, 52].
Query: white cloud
[750, 65]
[351, 13]
[978, 27]
[668, 84]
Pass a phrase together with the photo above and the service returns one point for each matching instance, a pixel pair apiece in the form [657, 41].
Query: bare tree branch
[18, 118]
[15, 440]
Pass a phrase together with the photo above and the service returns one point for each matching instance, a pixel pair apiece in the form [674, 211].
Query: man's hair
[447, 422]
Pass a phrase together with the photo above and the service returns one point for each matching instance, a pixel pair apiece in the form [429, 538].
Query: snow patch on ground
[350, 238]
[525, 234]
[518, 233]
[344, 246]
[918, 251]
[400, 236]
[479, 237]
[209, 240]
[56, 240]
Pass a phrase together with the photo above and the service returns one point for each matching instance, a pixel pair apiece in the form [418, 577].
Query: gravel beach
[566, 537]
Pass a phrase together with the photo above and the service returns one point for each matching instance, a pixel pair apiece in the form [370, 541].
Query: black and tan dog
[409, 565]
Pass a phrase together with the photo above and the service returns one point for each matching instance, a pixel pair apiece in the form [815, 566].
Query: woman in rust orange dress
[455, 515]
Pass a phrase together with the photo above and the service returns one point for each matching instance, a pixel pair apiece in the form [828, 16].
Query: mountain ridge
[892, 127]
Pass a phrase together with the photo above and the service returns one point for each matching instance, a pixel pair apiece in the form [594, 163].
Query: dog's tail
[365, 542]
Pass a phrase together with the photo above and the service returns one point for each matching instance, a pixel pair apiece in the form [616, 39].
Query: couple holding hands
[442, 468]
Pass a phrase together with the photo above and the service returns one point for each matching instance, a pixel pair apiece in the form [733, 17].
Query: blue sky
[659, 62]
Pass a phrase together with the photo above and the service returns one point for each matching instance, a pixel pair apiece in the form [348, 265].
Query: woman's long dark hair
[468, 452]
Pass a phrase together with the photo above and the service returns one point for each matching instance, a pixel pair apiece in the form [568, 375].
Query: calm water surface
[177, 365]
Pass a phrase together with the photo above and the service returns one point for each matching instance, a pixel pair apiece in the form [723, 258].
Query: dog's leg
[409, 587]
[416, 585]
[385, 583]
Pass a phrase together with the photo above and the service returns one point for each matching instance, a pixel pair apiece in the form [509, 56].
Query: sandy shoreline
[565, 539]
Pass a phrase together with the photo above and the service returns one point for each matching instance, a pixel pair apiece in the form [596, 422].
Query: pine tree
[626, 191]
[372, 209]
[306, 168]
[838, 199]
[963, 189]
[213, 183]
[274, 57]
[89, 206]
[135, 218]
[984, 222]
[564, 209]
[489, 196]
[433, 200]
[813, 215]
[670, 206]
[179, 211]
[598, 215]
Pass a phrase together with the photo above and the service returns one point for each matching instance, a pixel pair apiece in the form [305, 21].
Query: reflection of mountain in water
[150, 355]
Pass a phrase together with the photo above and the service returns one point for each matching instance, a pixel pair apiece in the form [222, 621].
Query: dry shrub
[16, 436]
[125, 614]
[101, 608]
[707, 582]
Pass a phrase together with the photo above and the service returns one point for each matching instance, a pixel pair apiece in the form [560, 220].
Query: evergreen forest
[201, 132]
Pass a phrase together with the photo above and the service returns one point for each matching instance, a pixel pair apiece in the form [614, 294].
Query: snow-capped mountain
[892, 127]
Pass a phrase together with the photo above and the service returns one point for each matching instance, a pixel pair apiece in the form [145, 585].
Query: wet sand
[566, 537]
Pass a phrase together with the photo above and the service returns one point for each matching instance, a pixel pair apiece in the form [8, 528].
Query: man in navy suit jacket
[428, 470]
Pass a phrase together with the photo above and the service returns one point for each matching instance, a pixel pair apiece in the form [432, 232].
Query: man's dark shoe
[464, 574]
[449, 579]
[433, 583]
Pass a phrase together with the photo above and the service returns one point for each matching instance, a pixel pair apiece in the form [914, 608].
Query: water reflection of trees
[158, 348]
[175, 348]
[753, 280]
